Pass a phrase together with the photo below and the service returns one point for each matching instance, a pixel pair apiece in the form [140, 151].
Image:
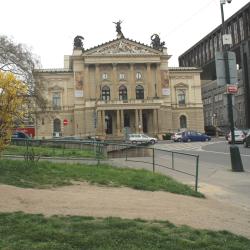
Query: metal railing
[140, 154]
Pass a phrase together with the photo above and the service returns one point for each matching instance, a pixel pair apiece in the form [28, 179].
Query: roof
[184, 69]
[59, 70]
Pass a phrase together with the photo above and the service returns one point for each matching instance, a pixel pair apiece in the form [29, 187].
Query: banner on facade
[78, 93]
[79, 82]
[166, 91]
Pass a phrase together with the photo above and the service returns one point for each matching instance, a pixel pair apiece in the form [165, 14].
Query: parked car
[19, 135]
[141, 138]
[247, 140]
[176, 137]
[239, 136]
[189, 136]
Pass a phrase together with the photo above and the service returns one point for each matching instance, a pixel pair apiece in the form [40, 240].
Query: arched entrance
[108, 124]
[183, 121]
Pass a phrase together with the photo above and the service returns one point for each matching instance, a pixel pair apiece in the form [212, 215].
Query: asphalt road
[216, 177]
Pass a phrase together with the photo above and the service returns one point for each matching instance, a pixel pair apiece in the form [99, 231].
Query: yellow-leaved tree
[13, 97]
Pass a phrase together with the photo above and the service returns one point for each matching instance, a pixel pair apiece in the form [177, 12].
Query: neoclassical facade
[117, 88]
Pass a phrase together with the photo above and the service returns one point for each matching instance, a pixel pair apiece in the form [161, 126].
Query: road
[215, 175]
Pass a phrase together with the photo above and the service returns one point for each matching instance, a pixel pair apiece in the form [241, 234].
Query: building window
[57, 126]
[123, 93]
[139, 90]
[183, 121]
[104, 76]
[122, 76]
[138, 76]
[181, 97]
[56, 99]
[105, 93]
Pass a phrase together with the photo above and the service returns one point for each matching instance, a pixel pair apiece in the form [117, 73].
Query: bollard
[236, 159]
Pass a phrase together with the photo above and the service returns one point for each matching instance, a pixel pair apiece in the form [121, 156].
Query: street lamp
[226, 39]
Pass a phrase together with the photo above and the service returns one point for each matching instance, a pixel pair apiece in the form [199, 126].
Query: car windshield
[238, 132]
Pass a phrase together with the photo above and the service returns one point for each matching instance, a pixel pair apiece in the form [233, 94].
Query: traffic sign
[232, 89]
[65, 122]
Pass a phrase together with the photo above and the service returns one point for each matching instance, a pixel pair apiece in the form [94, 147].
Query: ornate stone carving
[156, 42]
[119, 29]
[123, 48]
[78, 44]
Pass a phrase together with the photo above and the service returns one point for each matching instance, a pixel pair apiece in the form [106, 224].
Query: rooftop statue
[78, 42]
[119, 29]
[156, 42]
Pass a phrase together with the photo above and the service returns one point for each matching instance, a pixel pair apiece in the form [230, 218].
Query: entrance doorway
[108, 124]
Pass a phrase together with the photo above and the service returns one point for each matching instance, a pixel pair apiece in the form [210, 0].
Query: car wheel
[179, 140]
[188, 140]
[152, 142]
[207, 139]
[245, 144]
[133, 142]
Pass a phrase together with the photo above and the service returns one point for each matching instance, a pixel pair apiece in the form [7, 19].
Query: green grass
[19, 231]
[46, 174]
[50, 151]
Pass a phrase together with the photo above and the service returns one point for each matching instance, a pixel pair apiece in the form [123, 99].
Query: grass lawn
[51, 151]
[46, 174]
[19, 231]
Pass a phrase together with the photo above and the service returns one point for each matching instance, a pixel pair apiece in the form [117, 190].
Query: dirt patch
[89, 200]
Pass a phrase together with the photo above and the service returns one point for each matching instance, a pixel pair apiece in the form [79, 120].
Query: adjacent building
[202, 55]
[117, 88]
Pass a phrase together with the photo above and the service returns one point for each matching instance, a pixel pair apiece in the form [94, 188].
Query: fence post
[98, 154]
[196, 173]
[153, 160]
[172, 160]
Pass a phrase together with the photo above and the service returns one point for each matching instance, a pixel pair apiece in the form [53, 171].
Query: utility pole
[236, 162]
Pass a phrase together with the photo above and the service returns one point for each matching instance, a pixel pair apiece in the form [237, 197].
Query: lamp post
[226, 39]
[225, 54]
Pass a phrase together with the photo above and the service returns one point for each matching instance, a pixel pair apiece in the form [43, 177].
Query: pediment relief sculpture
[56, 88]
[122, 47]
[181, 85]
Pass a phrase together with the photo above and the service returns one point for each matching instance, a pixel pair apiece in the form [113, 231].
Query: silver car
[239, 136]
[141, 138]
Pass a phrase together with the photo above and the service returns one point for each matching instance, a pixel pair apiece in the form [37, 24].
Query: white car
[177, 136]
[239, 136]
[141, 138]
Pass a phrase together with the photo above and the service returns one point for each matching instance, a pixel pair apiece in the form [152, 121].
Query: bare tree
[18, 59]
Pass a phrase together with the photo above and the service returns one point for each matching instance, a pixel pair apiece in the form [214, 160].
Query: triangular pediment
[121, 47]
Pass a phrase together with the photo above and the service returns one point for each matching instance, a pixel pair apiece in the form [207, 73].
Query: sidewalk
[215, 181]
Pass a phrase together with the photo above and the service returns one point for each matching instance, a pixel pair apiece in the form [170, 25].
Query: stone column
[118, 126]
[136, 121]
[150, 92]
[155, 129]
[140, 121]
[114, 94]
[158, 80]
[103, 123]
[86, 92]
[97, 81]
[99, 122]
[122, 120]
[132, 81]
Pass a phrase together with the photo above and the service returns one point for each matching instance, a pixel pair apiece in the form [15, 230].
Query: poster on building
[166, 91]
[164, 79]
[79, 84]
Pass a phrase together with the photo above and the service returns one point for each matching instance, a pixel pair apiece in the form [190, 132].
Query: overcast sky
[48, 27]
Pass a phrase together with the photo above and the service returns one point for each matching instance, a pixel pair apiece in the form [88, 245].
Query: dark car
[247, 140]
[19, 135]
[189, 136]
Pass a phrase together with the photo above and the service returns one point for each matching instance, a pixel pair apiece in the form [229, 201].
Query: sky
[48, 27]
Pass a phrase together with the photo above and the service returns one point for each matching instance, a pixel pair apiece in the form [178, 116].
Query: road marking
[196, 146]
